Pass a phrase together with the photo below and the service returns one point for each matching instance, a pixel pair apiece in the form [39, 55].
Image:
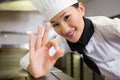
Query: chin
[74, 40]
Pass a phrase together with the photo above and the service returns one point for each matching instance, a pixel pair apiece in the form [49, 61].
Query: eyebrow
[59, 17]
[52, 21]
[62, 14]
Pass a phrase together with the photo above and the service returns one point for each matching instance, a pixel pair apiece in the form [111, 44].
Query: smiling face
[69, 22]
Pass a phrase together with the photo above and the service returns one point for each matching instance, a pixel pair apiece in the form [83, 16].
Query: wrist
[36, 76]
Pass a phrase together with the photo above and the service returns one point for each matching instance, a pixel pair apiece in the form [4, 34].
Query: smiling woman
[96, 38]
[69, 23]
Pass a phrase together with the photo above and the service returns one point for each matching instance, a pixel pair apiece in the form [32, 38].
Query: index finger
[52, 43]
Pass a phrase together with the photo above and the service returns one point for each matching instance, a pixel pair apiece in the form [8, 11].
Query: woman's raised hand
[40, 60]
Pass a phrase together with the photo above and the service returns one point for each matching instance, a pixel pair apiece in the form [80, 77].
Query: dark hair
[75, 5]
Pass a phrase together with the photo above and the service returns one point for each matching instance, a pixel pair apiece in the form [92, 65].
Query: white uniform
[103, 47]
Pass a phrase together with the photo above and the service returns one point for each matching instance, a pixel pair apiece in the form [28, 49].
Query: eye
[55, 25]
[66, 17]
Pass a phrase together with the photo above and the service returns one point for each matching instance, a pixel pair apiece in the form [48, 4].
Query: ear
[81, 8]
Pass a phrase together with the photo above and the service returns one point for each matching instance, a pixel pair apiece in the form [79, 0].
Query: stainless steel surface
[10, 32]
[12, 46]
[11, 70]
[9, 62]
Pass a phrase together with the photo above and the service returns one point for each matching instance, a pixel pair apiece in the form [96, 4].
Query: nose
[64, 28]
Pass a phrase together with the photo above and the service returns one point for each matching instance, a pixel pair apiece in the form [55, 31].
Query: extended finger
[31, 43]
[39, 38]
[45, 35]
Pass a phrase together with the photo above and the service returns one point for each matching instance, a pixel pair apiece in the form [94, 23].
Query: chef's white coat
[103, 47]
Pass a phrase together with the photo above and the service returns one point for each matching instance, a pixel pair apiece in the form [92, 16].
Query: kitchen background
[18, 19]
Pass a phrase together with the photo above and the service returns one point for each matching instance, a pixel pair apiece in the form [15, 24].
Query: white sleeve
[116, 21]
[24, 62]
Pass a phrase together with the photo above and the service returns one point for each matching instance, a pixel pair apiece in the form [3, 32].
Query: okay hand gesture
[40, 60]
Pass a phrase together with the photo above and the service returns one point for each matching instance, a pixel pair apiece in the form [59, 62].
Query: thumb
[58, 54]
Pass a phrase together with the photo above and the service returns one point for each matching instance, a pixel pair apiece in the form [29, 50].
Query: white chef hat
[49, 8]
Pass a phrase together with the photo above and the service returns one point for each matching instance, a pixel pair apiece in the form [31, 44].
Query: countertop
[19, 74]
[11, 70]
